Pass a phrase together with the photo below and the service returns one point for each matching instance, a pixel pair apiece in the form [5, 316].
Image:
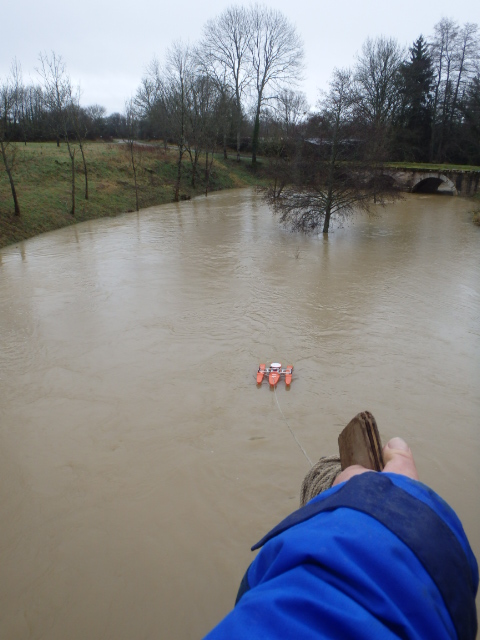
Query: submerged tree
[333, 175]
[284, 134]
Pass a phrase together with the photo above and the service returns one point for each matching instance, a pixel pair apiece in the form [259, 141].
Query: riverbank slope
[42, 176]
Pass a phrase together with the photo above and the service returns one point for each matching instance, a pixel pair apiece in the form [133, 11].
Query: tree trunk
[331, 171]
[207, 173]
[208, 169]
[8, 169]
[176, 197]
[85, 170]
[239, 126]
[256, 133]
[193, 162]
[328, 212]
[134, 167]
[72, 156]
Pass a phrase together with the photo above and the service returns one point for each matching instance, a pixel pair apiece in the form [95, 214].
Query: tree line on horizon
[236, 91]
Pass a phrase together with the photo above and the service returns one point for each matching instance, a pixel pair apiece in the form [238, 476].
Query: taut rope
[290, 429]
[321, 475]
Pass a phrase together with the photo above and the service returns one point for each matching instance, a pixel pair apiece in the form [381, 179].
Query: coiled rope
[320, 477]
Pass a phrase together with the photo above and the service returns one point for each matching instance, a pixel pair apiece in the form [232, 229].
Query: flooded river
[139, 460]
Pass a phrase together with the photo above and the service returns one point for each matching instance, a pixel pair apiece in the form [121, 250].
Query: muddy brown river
[138, 459]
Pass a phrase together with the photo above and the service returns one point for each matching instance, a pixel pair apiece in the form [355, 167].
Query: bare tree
[283, 122]
[290, 108]
[180, 75]
[224, 55]
[77, 118]
[130, 118]
[377, 85]
[376, 78]
[95, 117]
[202, 128]
[34, 112]
[455, 56]
[8, 104]
[442, 52]
[276, 56]
[58, 94]
[152, 105]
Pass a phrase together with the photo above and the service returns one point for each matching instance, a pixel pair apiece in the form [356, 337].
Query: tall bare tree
[377, 84]
[180, 75]
[224, 55]
[276, 53]
[151, 103]
[132, 147]
[76, 116]
[58, 94]
[376, 78]
[455, 54]
[8, 105]
[442, 53]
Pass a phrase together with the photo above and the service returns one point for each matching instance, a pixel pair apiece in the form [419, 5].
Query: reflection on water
[139, 461]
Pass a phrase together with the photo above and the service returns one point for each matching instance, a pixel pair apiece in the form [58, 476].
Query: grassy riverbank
[42, 175]
[432, 167]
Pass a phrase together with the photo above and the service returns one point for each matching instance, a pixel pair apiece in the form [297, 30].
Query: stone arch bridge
[454, 182]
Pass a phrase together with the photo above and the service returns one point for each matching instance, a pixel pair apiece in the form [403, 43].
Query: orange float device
[275, 371]
[260, 373]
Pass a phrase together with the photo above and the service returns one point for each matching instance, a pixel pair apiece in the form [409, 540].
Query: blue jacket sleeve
[380, 556]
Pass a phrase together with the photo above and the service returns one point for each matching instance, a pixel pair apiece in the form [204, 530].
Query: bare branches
[377, 80]
[10, 92]
[223, 56]
[276, 56]
[223, 51]
[455, 55]
[62, 103]
[333, 174]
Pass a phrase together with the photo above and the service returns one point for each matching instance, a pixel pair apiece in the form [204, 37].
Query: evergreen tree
[416, 114]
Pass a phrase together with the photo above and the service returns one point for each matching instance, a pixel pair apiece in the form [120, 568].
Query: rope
[290, 429]
[320, 477]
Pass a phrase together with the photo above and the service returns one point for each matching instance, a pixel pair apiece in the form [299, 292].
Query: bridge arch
[428, 183]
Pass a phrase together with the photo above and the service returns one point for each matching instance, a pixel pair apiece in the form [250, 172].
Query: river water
[138, 459]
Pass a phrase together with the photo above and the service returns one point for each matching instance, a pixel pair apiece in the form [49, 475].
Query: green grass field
[42, 175]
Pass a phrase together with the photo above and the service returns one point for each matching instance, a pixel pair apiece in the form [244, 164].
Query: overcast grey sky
[107, 45]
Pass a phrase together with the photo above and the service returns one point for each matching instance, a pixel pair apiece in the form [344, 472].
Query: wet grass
[42, 175]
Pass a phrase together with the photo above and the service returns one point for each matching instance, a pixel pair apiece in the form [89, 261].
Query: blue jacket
[379, 556]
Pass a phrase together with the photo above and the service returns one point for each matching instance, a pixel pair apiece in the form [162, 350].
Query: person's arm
[379, 555]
